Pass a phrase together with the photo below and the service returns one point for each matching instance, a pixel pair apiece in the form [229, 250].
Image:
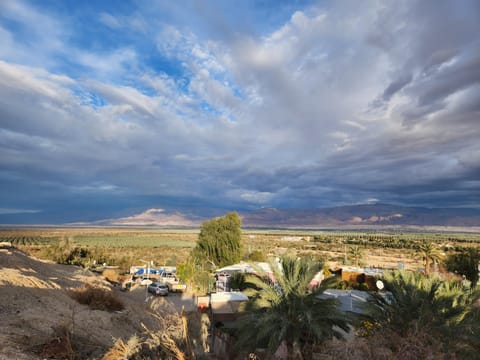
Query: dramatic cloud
[105, 109]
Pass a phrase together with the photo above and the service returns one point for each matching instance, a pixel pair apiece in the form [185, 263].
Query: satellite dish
[379, 284]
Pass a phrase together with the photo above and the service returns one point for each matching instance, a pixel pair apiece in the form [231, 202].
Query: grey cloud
[396, 86]
[459, 76]
[436, 43]
[292, 95]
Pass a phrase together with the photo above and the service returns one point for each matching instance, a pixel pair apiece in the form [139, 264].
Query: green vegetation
[126, 246]
[289, 312]
[256, 256]
[429, 252]
[120, 247]
[355, 254]
[434, 312]
[129, 240]
[396, 240]
[219, 241]
[466, 263]
[28, 240]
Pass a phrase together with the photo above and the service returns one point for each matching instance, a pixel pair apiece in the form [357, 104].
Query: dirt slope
[34, 305]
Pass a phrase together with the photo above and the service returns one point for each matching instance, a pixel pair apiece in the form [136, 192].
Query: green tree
[429, 252]
[287, 311]
[186, 271]
[219, 241]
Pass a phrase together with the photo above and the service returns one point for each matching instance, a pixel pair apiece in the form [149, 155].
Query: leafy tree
[287, 311]
[465, 263]
[186, 271]
[429, 253]
[219, 241]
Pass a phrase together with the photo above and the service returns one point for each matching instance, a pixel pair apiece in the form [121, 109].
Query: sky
[109, 108]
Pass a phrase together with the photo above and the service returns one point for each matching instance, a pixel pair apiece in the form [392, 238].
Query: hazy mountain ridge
[343, 216]
[378, 214]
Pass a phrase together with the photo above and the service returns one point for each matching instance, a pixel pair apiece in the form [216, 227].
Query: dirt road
[180, 301]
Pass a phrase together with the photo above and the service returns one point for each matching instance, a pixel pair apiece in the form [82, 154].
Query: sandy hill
[35, 306]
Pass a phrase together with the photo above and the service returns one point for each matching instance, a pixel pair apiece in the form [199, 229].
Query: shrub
[60, 345]
[97, 298]
[256, 255]
[123, 350]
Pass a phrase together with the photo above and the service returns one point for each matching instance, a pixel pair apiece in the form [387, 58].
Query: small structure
[203, 303]
[349, 300]
[367, 276]
[353, 274]
[224, 306]
[5, 245]
[223, 275]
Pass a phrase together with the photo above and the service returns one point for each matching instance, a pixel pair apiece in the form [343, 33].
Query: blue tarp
[143, 271]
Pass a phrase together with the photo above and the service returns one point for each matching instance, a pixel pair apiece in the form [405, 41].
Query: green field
[131, 241]
[28, 240]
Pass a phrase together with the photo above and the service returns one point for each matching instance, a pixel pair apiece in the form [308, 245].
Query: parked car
[158, 288]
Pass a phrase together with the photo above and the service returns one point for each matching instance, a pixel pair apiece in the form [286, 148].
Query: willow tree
[219, 241]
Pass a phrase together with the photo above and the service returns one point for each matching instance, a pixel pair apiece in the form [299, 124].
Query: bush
[465, 263]
[256, 255]
[60, 345]
[97, 298]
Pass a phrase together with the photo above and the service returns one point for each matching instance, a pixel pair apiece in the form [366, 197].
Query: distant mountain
[354, 216]
[362, 215]
[154, 217]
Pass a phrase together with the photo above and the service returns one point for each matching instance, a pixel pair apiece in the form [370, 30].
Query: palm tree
[467, 328]
[287, 311]
[412, 302]
[355, 254]
[429, 252]
[429, 310]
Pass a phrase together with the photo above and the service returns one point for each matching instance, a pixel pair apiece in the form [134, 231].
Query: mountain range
[354, 216]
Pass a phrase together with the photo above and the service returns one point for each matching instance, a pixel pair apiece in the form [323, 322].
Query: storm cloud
[105, 112]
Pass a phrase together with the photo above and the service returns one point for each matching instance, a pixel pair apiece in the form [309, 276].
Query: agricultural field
[127, 246]
[122, 247]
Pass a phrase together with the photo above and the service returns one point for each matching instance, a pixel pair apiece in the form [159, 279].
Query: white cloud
[256, 197]
[7, 211]
[108, 64]
[110, 20]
